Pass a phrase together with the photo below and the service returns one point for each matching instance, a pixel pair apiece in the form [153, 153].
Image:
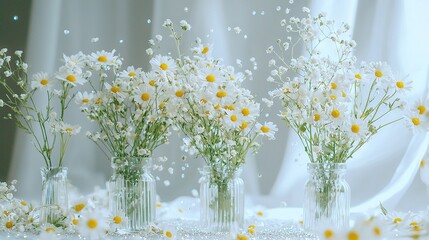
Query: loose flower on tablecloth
[334, 105]
[45, 122]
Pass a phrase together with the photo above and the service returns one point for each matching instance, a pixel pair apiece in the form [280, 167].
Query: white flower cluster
[384, 226]
[332, 104]
[28, 114]
[131, 107]
[217, 115]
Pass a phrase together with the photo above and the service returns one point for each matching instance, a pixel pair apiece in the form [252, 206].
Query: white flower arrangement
[21, 93]
[333, 105]
[216, 114]
[129, 105]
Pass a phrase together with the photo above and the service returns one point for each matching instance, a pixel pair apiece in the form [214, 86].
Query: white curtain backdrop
[382, 171]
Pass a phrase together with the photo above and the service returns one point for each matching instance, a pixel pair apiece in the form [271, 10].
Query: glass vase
[326, 196]
[222, 201]
[54, 194]
[132, 193]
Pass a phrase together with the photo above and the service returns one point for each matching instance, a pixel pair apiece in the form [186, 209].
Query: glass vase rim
[52, 168]
[140, 161]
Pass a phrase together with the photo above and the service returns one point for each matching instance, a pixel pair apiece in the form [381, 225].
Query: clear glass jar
[222, 201]
[54, 194]
[326, 196]
[132, 193]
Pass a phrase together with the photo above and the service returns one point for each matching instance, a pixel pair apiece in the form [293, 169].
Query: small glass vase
[132, 193]
[222, 201]
[326, 196]
[54, 194]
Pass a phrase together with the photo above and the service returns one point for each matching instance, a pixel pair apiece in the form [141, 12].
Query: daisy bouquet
[130, 106]
[332, 104]
[45, 122]
[217, 115]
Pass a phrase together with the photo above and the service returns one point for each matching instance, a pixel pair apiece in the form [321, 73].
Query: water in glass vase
[222, 202]
[54, 194]
[132, 193]
[326, 196]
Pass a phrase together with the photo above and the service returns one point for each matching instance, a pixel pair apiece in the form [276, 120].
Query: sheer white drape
[392, 31]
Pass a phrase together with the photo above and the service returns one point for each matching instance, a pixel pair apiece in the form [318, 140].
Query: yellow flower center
[117, 219]
[251, 226]
[158, 205]
[241, 237]
[204, 101]
[161, 105]
[98, 101]
[163, 66]
[244, 125]
[79, 207]
[9, 225]
[23, 203]
[397, 220]
[355, 128]
[422, 109]
[231, 78]
[71, 78]
[6, 213]
[75, 221]
[92, 223]
[400, 84]
[353, 235]
[328, 233]
[69, 129]
[102, 59]
[207, 112]
[217, 106]
[316, 117]
[333, 97]
[264, 129]
[343, 94]
[335, 113]
[251, 231]
[378, 73]
[221, 94]
[414, 223]
[152, 82]
[44, 82]
[422, 163]
[333, 86]
[416, 228]
[31, 220]
[205, 50]
[358, 76]
[49, 229]
[85, 100]
[416, 121]
[115, 89]
[245, 111]
[230, 107]
[233, 118]
[260, 213]
[211, 78]
[377, 231]
[179, 93]
[168, 234]
[132, 74]
[145, 97]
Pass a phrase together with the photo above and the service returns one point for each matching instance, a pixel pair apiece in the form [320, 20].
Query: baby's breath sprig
[40, 121]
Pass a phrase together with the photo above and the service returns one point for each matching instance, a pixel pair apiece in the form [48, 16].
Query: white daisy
[93, 225]
[232, 119]
[84, 99]
[116, 90]
[70, 129]
[104, 59]
[357, 129]
[424, 169]
[71, 77]
[75, 62]
[163, 64]
[416, 121]
[118, 221]
[42, 81]
[131, 72]
[268, 129]
[144, 95]
[202, 49]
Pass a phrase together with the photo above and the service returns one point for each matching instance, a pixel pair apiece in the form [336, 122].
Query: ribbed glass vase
[54, 194]
[222, 202]
[326, 196]
[132, 193]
